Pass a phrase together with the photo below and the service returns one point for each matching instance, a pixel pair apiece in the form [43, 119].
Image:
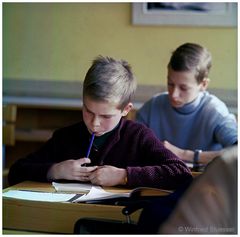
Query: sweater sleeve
[34, 166]
[148, 111]
[142, 114]
[161, 168]
[226, 131]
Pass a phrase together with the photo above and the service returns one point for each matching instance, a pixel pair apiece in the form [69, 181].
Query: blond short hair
[110, 80]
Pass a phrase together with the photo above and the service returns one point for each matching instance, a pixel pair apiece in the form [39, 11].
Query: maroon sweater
[132, 146]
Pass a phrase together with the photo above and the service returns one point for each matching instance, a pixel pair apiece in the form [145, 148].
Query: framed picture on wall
[208, 14]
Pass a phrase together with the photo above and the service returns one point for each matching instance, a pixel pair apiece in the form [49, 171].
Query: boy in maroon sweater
[123, 153]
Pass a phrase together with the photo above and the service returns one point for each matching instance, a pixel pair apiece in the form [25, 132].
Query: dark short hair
[191, 57]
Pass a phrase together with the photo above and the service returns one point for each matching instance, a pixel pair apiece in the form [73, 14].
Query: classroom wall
[57, 41]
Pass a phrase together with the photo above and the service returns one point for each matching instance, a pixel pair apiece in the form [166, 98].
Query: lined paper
[38, 196]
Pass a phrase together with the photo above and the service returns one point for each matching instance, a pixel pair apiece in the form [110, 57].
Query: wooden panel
[132, 114]
[9, 113]
[9, 119]
[73, 90]
[33, 135]
[9, 134]
[46, 118]
[54, 217]
[196, 174]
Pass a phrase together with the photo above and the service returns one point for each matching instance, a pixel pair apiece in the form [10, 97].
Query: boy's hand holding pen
[89, 147]
[73, 169]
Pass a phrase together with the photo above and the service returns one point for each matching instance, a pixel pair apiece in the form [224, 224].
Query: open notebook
[81, 192]
[96, 193]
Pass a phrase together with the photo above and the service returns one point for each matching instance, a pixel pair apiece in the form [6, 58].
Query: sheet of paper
[72, 187]
[97, 193]
[38, 196]
[189, 165]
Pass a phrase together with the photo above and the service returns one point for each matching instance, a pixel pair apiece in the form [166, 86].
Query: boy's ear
[205, 83]
[127, 109]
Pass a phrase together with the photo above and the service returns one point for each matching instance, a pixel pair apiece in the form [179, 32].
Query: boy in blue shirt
[188, 118]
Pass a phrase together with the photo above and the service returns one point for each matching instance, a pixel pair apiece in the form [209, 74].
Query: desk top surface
[47, 187]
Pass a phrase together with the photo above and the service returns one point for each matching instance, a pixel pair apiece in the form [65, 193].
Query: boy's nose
[175, 93]
[96, 121]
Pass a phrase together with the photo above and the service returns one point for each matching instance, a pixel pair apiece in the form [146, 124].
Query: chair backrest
[210, 204]
[9, 119]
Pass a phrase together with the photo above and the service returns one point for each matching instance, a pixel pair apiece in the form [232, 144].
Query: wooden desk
[52, 217]
[196, 174]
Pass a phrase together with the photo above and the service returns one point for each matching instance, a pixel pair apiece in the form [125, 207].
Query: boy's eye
[183, 88]
[88, 111]
[107, 116]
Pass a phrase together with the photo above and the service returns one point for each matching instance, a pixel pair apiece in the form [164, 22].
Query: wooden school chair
[8, 134]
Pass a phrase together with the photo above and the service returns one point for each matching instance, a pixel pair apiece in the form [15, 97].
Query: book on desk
[97, 193]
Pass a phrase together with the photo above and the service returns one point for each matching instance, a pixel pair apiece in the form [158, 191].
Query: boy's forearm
[207, 156]
[204, 157]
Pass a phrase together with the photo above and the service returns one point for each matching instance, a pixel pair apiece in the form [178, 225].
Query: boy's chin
[99, 134]
[177, 105]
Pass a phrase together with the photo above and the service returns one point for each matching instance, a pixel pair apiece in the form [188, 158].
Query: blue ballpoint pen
[90, 145]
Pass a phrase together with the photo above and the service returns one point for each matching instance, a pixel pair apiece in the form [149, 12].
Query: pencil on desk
[90, 145]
